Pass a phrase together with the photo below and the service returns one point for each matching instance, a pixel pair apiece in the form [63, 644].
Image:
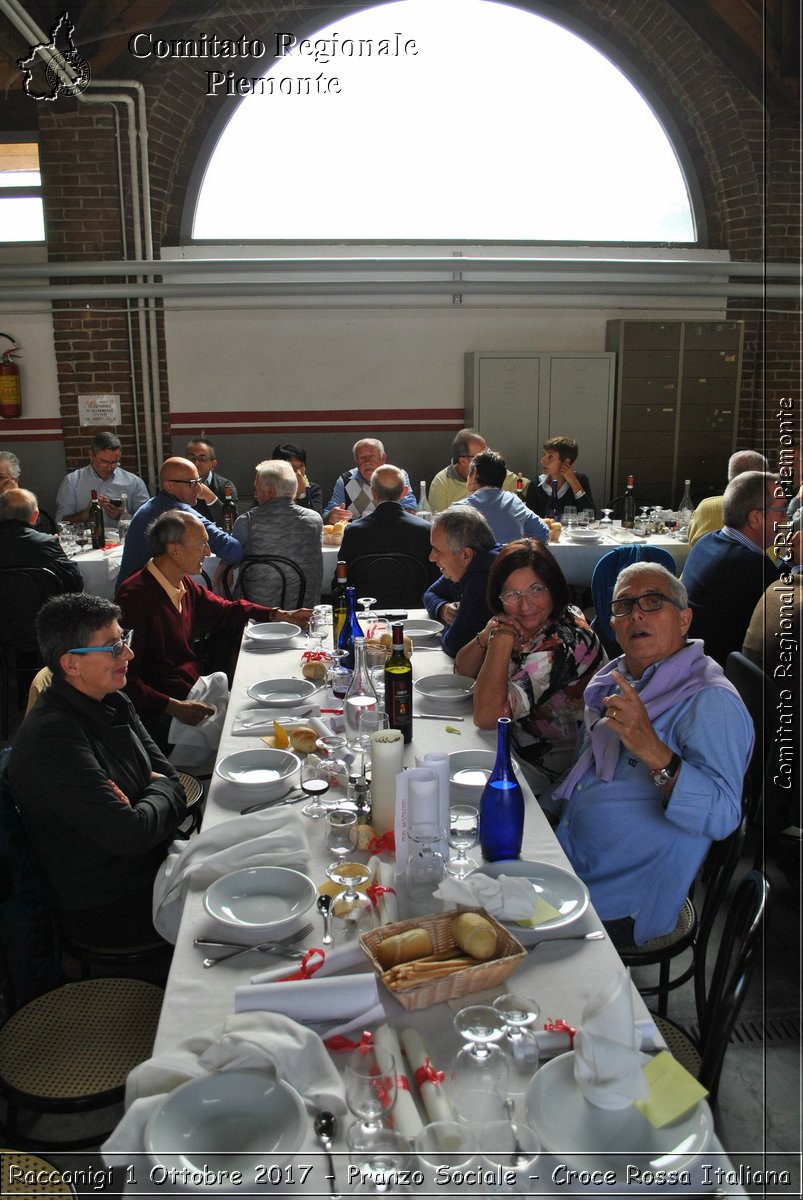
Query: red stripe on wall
[31, 429]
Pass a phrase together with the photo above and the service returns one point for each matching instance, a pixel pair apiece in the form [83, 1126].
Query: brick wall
[746, 162]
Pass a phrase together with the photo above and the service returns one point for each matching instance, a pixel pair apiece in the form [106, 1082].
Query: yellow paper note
[672, 1091]
[543, 911]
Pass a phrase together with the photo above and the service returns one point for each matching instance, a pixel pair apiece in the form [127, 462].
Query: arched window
[458, 120]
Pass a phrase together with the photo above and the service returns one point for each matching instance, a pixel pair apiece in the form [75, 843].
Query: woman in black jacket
[99, 800]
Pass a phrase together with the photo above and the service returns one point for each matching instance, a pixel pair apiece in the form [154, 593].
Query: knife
[435, 717]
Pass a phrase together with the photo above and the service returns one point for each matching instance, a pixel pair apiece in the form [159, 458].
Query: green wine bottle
[399, 687]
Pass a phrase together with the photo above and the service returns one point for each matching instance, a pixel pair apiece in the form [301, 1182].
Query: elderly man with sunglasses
[180, 487]
[659, 774]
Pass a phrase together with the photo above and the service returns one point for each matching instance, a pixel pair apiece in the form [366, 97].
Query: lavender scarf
[675, 679]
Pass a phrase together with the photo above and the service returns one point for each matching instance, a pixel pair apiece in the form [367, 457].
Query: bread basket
[509, 953]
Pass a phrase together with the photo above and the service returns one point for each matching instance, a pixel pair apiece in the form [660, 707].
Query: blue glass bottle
[502, 804]
[351, 629]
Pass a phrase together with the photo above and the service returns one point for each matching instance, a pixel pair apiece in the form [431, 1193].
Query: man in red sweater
[167, 610]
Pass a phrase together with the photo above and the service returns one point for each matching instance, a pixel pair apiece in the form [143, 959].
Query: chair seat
[669, 943]
[39, 1178]
[680, 1045]
[80, 1040]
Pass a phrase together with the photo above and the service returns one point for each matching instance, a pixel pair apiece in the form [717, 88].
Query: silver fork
[280, 948]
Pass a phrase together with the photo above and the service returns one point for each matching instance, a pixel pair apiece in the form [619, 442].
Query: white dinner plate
[445, 688]
[420, 629]
[284, 693]
[580, 1134]
[230, 1120]
[269, 770]
[267, 900]
[273, 631]
[559, 887]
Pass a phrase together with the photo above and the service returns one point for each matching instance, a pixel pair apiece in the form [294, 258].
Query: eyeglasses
[648, 602]
[199, 457]
[116, 648]
[189, 482]
[513, 597]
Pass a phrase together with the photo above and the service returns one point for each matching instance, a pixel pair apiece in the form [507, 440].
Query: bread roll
[328, 529]
[303, 739]
[316, 671]
[387, 641]
[475, 935]
[338, 528]
[403, 947]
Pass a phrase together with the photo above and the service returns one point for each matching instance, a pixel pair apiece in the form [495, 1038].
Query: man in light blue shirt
[508, 515]
[105, 476]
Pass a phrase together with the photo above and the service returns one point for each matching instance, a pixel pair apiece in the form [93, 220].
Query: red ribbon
[375, 890]
[341, 1042]
[561, 1026]
[386, 842]
[315, 656]
[428, 1074]
[305, 971]
[402, 1083]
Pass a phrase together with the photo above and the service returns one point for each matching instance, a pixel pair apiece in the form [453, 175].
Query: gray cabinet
[677, 385]
[518, 400]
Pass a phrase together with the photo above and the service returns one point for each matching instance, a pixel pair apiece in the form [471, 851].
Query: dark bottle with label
[96, 523]
[351, 630]
[552, 505]
[399, 687]
[229, 513]
[519, 486]
[339, 606]
[629, 505]
[502, 804]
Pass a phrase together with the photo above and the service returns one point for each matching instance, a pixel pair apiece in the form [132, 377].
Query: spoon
[325, 1126]
[510, 1113]
[324, 907]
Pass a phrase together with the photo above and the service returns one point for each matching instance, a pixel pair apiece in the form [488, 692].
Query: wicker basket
[509, 953]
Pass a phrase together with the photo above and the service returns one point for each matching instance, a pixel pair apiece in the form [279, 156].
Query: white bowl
[422, 629]
[445, 689]
[283, 693]
[273, 633]
[230, 1121]
[267, 900]
[588, 537]
[468, 773]
[271, 771]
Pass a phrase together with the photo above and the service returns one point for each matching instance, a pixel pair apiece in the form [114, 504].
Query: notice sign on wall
[99, 410]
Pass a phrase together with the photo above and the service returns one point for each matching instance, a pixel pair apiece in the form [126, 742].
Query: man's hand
[112, 508]
[119, 793]
[628, 717]
[448, 612]
[338, 514]
[189, 712]
[202, 492]
[296, 616]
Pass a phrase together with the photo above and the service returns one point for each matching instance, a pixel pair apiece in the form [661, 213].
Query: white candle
[387, 754]
[433, 1095]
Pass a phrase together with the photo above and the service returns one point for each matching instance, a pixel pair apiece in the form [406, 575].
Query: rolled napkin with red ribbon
[431, 1082]
[311, 999]
[405, 1114]
[607, 1061]
[557, 1037]
[319, 963]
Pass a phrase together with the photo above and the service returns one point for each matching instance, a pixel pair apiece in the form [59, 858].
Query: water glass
[464, 832]
[444, 1147]
[341, 832]
[378, 1155]
[370, 1078]
[512, 1149]
[570, 516]
[371, 722]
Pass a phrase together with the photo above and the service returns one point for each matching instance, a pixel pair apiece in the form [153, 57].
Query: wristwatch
[661, 776]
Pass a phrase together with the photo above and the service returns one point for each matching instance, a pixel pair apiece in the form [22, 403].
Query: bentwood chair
[718, 1003]
[395, 580]
[257, 570]
[23, 1174]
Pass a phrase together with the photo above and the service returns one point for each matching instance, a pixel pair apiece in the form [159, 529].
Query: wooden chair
[718, 1003]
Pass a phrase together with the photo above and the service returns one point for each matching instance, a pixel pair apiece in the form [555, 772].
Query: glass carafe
[361, 696]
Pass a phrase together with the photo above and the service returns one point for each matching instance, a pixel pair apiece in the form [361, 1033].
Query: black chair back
[758, 693]
[394, 580]
[23, 591]
[268, 579]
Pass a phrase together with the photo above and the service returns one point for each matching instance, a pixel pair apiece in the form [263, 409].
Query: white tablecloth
[99, 570]
[562, 978]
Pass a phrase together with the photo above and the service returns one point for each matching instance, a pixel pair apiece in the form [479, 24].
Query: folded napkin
[607, 1061]
[196, 745]
[311, 999]
[508, 898]
[267, 838]
[261, 1040]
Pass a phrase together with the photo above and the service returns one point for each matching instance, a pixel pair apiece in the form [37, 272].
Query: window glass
[21, 213]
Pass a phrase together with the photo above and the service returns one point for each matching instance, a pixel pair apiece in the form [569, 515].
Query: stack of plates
[284, 693]
[421, 629]
[271, 771]
[270, 635]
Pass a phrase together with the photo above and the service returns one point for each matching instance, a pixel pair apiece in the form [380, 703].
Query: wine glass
[606, 518]
[378, 1155]
[334, 768]
[339, 675]
[370, 1079]
[320, 624]
[341, 832]
[367, 617]
[426, 866]
[371, 722]
[351, 909]
[379, 627]
[512, 1149]
[83, 538]
[464, 832]
[519, 1012]
[480, 1071]
[314, 783]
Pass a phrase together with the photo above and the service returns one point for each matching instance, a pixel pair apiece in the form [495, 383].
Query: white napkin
[267, 1041]
[337, 958]
[196, 745]
[311, 999]
[267, 838]
[607, 1061]
[508, 898]
[552, 1042]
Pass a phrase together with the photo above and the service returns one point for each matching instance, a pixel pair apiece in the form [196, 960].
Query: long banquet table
[560, 977]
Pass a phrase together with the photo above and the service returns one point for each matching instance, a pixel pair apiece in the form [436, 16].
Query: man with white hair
[280, 526]
[707, 516]
[23, 546]
[351, 497]
[10, 471]
[659, 774]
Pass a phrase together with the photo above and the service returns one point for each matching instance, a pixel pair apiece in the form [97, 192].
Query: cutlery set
[280, 947]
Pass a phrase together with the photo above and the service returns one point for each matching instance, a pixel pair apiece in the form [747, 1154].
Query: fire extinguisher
[10, 390]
